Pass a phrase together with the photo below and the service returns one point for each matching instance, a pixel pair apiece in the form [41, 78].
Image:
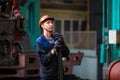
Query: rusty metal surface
[32, 65]
[73, 59]
[29, 65]
[14, 70]
[113, 72]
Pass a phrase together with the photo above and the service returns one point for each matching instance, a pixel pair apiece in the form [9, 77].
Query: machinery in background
[13, 61]
[28, 66]
[110, 48]
[11, 31]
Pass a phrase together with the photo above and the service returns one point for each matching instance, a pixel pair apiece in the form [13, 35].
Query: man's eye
[48, 22]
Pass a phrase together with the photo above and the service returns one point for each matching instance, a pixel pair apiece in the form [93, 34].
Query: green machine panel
[31, 13]
[110, 48]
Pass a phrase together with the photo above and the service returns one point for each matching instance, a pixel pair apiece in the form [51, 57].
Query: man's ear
[41, 26]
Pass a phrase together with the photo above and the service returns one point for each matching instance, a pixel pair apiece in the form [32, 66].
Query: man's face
[48, 25]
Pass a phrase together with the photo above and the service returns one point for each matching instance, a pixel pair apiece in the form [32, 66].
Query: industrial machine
[14, 61]
[11, 31]
[110, 48]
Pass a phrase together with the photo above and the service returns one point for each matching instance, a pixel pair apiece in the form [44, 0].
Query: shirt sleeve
[44, 58]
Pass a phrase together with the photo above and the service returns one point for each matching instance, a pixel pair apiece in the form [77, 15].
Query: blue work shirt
[48, 62]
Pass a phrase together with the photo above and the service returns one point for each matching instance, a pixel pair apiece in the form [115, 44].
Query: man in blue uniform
[48, 46]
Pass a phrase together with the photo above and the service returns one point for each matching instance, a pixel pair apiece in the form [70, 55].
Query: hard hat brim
[50, 18]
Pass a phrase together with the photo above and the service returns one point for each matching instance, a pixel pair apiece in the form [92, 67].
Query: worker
[49, 46]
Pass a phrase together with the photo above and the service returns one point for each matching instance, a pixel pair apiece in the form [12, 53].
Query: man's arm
[44, 58]
[61, 45]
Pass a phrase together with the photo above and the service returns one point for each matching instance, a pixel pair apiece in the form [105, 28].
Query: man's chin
[50, 30]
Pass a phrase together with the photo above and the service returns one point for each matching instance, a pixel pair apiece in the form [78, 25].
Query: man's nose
[51, 23]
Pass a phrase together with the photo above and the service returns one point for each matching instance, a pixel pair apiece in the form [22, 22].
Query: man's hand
[58, 43]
